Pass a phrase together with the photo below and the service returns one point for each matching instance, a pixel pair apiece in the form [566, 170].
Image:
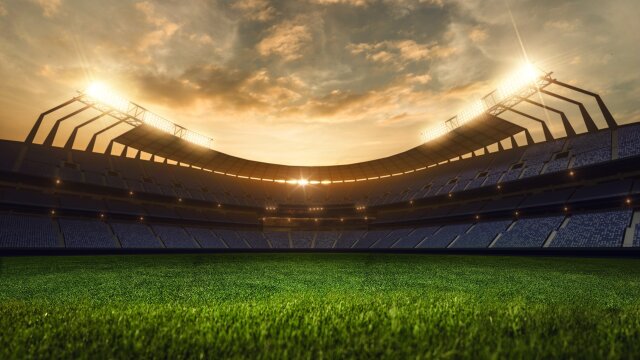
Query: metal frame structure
[487, 129]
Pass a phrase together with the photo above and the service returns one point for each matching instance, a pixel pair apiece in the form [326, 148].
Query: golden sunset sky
[308, 82]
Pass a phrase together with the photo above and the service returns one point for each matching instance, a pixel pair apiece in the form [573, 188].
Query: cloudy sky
[308, 82]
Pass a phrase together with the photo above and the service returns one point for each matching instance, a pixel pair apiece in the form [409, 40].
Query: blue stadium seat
[326, 239]
[27, 231]
[278, 239]
[302, 239]
[83, 233]
[174, 236]
[629, 141]
[596, 229]
[348, 238]
[531, 232]
[444, 236]
[415, 237]
[132, 235]
[481, 235]
[232, 239]
[206, 238]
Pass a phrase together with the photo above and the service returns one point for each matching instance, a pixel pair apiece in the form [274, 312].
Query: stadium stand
[524, 196]
[82, 233]
[598, 229]
[326, 239]
[629, 141]
[278, 240]
[481, 235]
[133, 235]
[206, 238]
[444, 236]
[174, 236]
[532, 232]
[27, 231]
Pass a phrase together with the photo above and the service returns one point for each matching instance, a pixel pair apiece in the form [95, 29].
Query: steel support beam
[588, 121]
[611, 122]
[36, 127]
[568, 128]
[72, 137]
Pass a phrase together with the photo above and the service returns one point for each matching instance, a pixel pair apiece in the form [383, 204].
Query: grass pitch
[319, 306]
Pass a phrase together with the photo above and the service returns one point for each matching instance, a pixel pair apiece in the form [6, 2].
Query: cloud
[399, 53]
[255, 10]
[164, 28]
[49, 7]
[287, 40]
[478, 35]
[345, 2]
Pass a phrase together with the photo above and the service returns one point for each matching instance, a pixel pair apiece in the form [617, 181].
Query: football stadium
[511, 231]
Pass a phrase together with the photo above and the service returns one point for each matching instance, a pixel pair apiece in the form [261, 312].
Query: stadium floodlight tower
[99, 97]
[99, 92]
[519, 85]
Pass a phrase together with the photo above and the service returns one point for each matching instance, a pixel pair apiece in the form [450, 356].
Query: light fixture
[522, 78]
[526, 76]
[99, 92]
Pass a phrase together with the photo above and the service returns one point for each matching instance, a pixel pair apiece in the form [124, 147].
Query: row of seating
[586, 229]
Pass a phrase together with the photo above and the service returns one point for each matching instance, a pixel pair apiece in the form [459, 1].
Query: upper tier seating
[629, 141]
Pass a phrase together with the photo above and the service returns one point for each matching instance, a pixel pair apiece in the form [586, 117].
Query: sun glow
[526, 76]
[99, 92]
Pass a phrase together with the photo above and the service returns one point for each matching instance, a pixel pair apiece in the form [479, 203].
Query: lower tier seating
[605, 228]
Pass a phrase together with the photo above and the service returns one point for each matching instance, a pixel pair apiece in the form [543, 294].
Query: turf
[319, 306]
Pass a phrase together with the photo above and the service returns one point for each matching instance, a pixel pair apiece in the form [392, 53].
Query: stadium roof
[467, 138]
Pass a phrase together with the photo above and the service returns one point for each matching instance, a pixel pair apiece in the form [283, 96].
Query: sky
[308, 82]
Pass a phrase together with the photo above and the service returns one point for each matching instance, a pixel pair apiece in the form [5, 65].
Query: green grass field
[319, 306]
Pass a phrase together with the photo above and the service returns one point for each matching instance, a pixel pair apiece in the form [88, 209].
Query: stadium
[471, 185]
[511, 231]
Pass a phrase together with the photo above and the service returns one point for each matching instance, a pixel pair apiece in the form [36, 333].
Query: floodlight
[101, 93]
[158, 122]
[196, 138]
[525, 76]
[476, 109]
[435, 132]
[303, 182]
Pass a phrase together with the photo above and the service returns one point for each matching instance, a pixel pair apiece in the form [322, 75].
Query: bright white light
[476, 109]
[303, 182]
[196, 138]
[101, 93]
[435, 132]
[158, 122]
[525, 76]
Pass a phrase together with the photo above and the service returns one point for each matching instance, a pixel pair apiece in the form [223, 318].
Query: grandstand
[483, 183]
